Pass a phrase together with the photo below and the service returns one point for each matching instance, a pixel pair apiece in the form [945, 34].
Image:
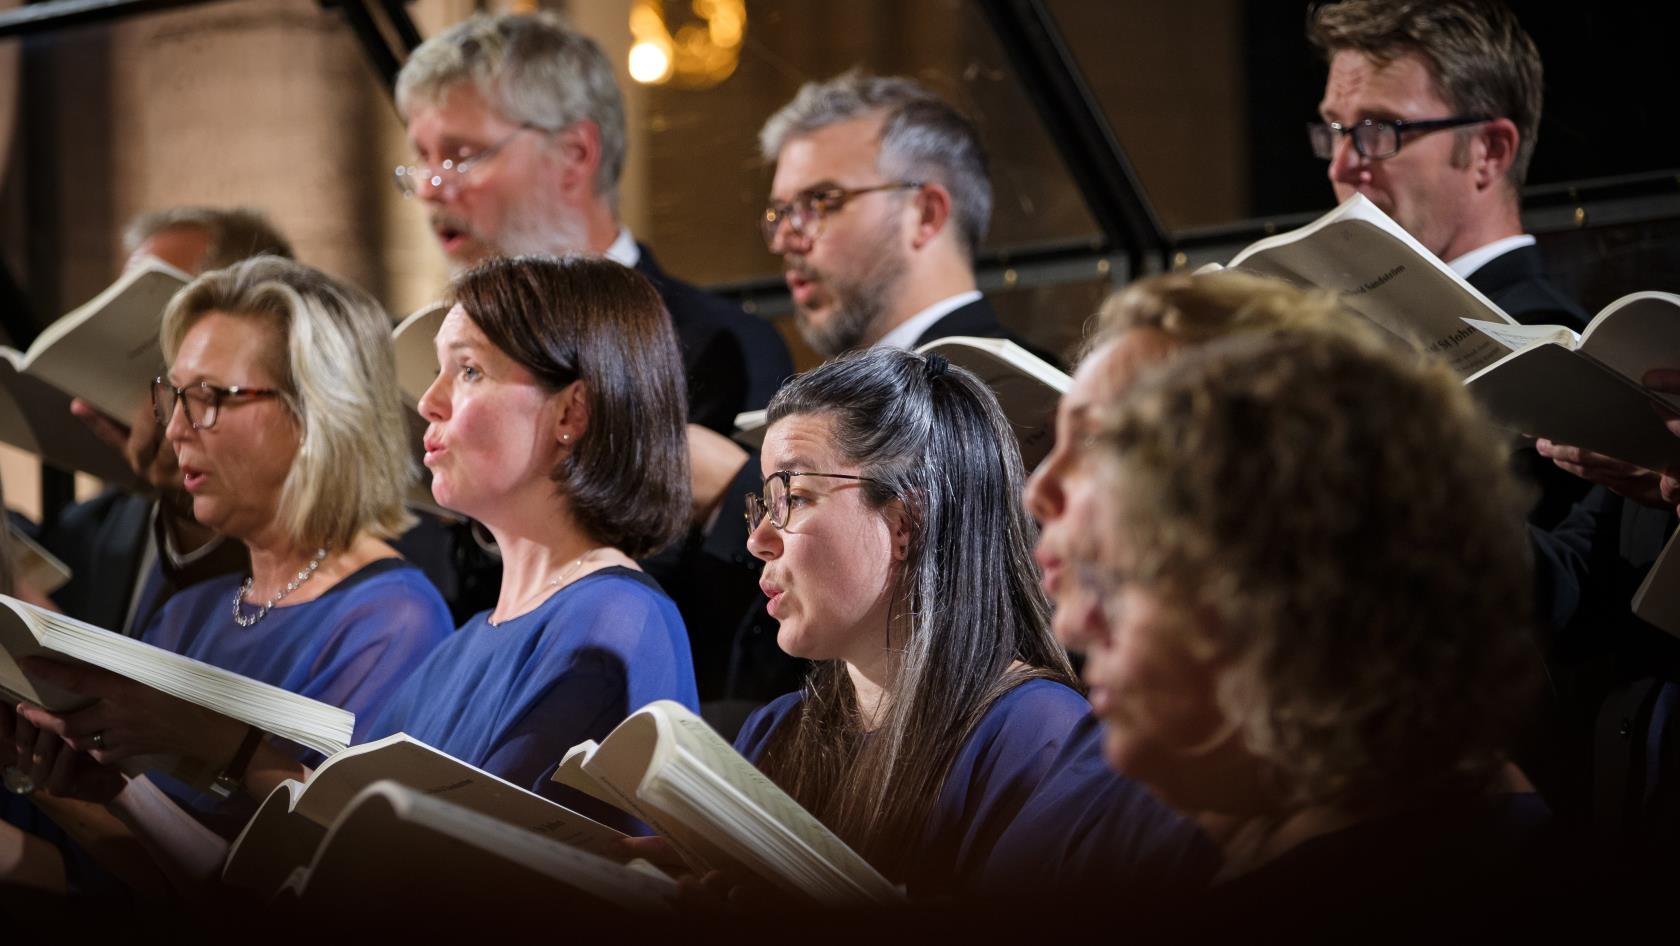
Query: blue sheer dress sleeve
[352, 647]
[512, 698]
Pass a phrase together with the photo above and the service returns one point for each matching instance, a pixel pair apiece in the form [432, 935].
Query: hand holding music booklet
[106, 353]
[1544, 381]
[1584, 390]
[30, 631]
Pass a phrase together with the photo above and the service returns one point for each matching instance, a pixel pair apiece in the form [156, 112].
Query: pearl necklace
[554, 582]
[239, 617]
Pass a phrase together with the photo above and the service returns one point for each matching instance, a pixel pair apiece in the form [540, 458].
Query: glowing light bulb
[649, 63]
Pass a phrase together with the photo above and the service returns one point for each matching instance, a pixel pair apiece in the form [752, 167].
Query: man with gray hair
[519, 128]
[878, 207]
[198, 239]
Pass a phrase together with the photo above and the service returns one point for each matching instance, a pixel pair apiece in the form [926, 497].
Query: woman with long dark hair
[897, 557]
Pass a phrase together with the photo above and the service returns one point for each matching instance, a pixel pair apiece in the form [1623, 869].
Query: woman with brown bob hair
[557, 422]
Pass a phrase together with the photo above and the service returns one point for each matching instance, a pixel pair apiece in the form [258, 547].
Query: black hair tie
[935, 367]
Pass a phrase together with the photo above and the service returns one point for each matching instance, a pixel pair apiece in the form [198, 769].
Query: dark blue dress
[991, 778]
[512, 698]
[1088, 829]
[351, 647]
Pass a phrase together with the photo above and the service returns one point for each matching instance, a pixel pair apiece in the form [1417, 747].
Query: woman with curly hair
[1305, 616]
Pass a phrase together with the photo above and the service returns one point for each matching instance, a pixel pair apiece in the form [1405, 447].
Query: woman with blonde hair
[281, 404]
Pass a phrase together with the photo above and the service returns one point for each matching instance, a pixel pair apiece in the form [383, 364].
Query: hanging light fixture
[703, 51]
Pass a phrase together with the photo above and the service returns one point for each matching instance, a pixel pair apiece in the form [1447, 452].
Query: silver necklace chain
[554, 582]
[239, 616]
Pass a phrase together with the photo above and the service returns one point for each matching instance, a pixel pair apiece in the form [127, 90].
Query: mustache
[444, 220]
[798, 267]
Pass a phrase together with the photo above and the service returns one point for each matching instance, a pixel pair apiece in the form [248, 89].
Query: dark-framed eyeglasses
[1379, 138]
[775, 502]
[202, 401]
[453, 170]
[805, 213]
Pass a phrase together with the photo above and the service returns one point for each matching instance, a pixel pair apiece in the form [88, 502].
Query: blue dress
[991, 778]
[1088, 830]
[512, 698]
[351, 647]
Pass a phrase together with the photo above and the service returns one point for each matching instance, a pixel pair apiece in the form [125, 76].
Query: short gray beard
[860, 304]
[531, 232]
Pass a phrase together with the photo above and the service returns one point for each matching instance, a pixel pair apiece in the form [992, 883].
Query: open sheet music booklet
[417, 363]
[393, 842]
[29, 631]
[417, 367]
[1381, 272]
[1585, 390]
[1027, 388]
[106, 353]
[665, 766]
[1545, 381]
[289, 830]
[1658, 599]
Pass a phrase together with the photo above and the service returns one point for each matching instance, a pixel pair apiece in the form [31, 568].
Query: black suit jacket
[103, 541]
[735, 362]
[979, 319]
[1516, 282]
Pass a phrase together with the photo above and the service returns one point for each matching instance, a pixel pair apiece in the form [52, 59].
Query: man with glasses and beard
[878, 206]
[517, 126]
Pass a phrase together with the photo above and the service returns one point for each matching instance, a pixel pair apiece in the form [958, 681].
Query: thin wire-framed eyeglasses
[775, 503]
[805, 213]
[453, 170]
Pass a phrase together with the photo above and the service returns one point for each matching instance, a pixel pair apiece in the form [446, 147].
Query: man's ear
[933, 213]
[580, 145]
[1497, 141]
[573, 420]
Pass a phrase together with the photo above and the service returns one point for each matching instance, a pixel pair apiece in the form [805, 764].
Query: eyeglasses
[452, 170]
[776, 503]
[1378, 138]
[201, 401]
[807, 210]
